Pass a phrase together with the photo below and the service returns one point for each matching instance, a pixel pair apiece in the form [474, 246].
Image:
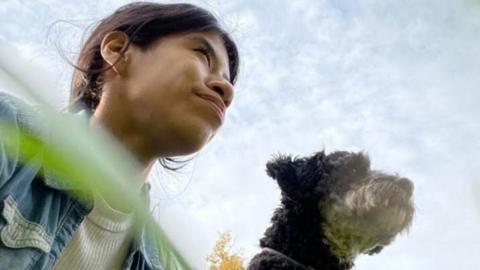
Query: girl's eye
[205, 52]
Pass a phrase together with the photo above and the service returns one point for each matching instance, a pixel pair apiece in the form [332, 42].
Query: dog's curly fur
[333, 208]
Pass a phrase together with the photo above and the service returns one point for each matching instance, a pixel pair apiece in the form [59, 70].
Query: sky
[396, 79]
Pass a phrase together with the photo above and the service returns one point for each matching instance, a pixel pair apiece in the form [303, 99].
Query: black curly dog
[333, 208]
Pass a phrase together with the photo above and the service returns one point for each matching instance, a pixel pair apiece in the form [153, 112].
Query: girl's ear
[114, 51]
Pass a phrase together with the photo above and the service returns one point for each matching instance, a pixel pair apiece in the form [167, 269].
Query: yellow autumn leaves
[221, 258]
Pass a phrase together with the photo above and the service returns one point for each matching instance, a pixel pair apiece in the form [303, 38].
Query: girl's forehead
[210, 36]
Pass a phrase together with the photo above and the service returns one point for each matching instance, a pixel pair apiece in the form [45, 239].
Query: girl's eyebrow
[210, 49]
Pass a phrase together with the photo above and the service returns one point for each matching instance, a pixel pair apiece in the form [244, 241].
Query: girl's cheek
[196, 71]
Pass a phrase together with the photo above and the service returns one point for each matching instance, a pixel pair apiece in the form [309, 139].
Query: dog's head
[318, 175]
[363, 209]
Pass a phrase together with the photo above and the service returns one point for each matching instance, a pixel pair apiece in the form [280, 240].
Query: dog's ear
[313, 176]
[285, 170]
[299, 178]
[281, 166]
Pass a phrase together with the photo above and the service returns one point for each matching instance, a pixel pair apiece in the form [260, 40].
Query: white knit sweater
[101, 241]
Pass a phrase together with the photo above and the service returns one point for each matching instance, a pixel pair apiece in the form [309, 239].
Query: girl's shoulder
[16, 116]
[21, 114]
[15, 110]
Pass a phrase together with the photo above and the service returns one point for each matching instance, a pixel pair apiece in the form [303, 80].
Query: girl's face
[178, 90]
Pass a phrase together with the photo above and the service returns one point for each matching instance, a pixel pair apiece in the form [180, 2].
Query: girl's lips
[214, 105]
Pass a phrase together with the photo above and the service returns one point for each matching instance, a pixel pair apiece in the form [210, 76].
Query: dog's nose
[406, 185]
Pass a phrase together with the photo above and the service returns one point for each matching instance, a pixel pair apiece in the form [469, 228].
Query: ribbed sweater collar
[108, 218]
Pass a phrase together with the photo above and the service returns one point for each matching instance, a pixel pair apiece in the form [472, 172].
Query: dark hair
[144, 23]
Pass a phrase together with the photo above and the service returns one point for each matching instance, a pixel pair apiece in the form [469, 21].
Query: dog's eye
[375, 250]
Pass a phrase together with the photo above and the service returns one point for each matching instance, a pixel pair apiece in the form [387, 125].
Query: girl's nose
[223, 88]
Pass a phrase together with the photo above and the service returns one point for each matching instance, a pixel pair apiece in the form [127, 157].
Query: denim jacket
[39, 214]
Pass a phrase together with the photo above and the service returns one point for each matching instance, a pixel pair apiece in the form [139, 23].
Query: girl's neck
[112, 113]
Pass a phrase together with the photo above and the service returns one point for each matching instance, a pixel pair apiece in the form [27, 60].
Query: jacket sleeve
[8, 118]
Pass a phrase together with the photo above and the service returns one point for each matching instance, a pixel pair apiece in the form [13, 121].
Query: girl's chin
[193, 141]
[186, 136]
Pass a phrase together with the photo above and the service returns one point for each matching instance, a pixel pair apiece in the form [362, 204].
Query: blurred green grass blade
[85, 157]
[95, 165]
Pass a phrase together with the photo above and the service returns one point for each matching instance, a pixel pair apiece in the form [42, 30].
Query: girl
[159, 78]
